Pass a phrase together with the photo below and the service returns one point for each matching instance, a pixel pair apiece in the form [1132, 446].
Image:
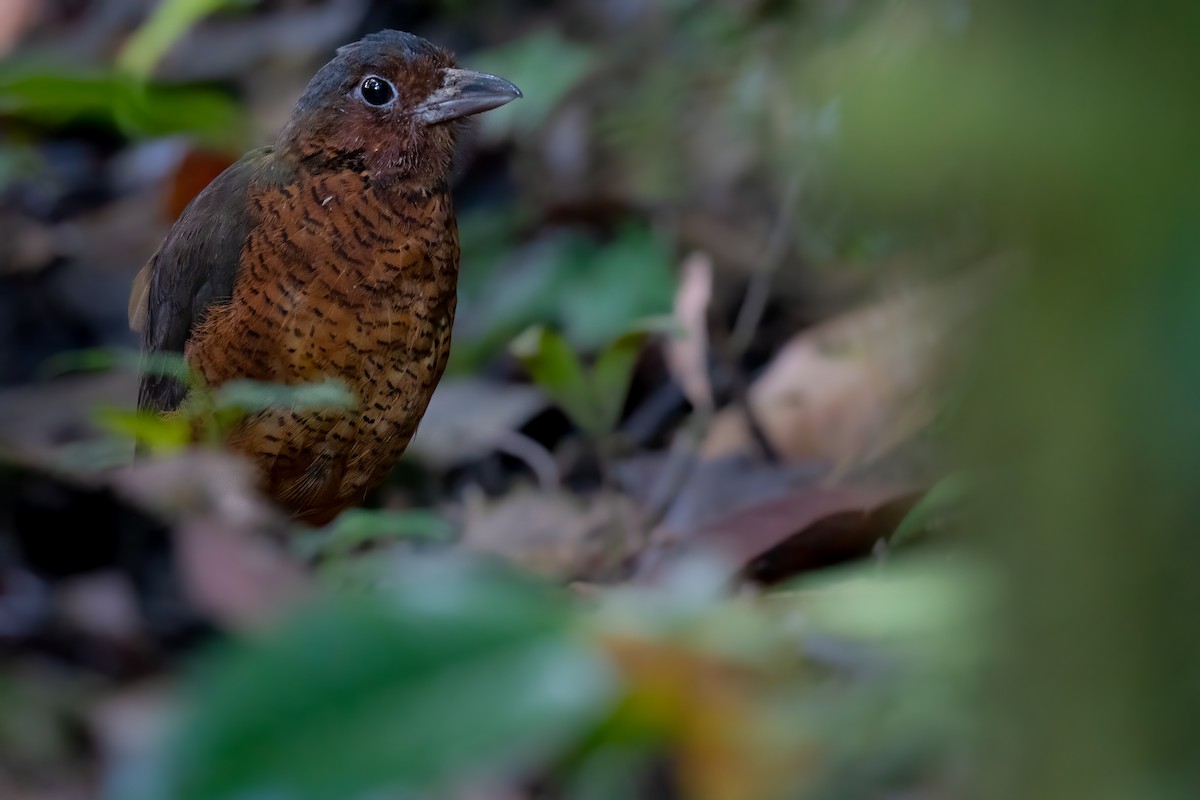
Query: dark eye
[377, 91]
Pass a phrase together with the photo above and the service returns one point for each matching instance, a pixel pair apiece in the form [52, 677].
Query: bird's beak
[464, 93]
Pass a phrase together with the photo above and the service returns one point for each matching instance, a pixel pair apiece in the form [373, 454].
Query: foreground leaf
[555, 367]
[159, 433]
[459, 671]
[249, 396]
[359, 526]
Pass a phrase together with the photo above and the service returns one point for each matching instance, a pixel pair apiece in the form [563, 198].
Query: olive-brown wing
[195, 269]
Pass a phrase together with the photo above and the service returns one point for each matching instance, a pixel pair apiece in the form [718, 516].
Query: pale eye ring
[376, 91]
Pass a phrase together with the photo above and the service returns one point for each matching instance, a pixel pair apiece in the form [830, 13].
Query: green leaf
[615, 285]
[359, 526]
[169, 22]
[166, 365]
[557, 370]
[161, 433]
[250, 396]
[458, 671]
[52, 95]
[593, 397]
[92, 359]
[102, 359]
[612, 373]
[591, 291]
[946, 495]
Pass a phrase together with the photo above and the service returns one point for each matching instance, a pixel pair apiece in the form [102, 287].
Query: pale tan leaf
[848, 391]
[687, 355]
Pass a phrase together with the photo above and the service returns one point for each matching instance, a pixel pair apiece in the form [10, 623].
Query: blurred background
[821, 419]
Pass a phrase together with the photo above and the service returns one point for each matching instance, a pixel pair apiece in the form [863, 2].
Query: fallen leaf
[102, 605]
[225, 535]
[16, 16]
[849, 390]
[553, 533]
[687, 355]
[710, 709]
[710, 490]
[808, 528]
[830, 540]
[195, 171]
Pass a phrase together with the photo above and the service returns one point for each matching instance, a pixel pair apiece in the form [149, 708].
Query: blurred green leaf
[250, 396]
[97, 455]
[555, 367]
[611, 287]
[545, 66]
[170, 21]
[102, 359]
[92, 359]
[158, 432]
[456, 670]
[592, 396]
[931, 609]
[51, 95]
[164, 364]
[611, 375]
[945, 496]
[591, 291]
[359, 526]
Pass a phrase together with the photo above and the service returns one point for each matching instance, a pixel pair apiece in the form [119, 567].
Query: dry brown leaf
[225, 550]
[553, 533]
[710, 710]
[712, 490]
[830, 540]
[851, 389]
[242, 581]
[194, 172]
[16, 16]
[687, 355]
[101, 605]
[808, 528]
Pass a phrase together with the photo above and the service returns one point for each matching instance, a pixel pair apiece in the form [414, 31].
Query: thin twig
[754, 304]
[680, 460]
[758, 292]
[531, 452]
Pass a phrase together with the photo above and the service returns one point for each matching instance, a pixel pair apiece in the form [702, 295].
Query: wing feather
[195, 269]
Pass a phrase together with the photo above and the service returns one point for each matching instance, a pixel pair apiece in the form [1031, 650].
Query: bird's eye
[377, 91]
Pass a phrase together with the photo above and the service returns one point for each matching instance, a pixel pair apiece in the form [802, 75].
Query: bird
[331, 254]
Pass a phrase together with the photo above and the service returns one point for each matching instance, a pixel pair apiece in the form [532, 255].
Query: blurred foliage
[479, 664]
[591, 291]
[487, 670]
[546, 66]
[208, 413]
[935, 511]
[1068, 128]
[47, 95]
[124, 97]
[170, 20]
[359, 527]
[592, 396]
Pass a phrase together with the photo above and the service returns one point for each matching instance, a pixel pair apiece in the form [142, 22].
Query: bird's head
[393, 102]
